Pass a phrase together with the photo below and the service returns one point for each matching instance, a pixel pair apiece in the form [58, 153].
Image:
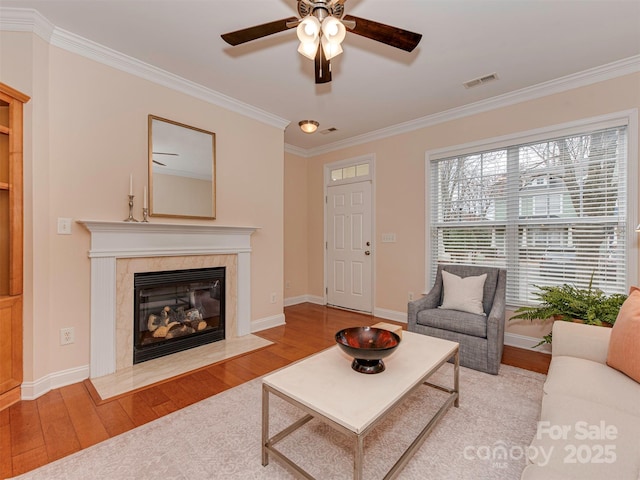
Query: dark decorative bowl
[368, 346]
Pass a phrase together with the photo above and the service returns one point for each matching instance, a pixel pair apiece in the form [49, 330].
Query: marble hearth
[120, 249]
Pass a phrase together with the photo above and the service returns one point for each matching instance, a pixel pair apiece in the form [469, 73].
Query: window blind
[550, 211]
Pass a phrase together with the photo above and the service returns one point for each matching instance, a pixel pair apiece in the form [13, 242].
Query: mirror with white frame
[182, 170]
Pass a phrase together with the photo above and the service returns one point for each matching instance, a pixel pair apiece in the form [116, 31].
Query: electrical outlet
[411, 296]
[67, 335]
[274, 297]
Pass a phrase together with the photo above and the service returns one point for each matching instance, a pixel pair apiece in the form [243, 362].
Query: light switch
[388, 238]
[64, 226]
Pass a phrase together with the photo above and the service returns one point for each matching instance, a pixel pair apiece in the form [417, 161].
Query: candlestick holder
[130, 217]
[145, 215]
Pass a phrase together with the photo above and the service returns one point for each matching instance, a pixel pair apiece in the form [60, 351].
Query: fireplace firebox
[177, 310]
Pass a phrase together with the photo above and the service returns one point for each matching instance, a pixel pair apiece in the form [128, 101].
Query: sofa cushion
[624, 353]
[454, 321]
[577, 438]
[594, 381]
[463, 294]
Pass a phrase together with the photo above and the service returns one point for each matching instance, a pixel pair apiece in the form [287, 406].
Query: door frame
[328, 167]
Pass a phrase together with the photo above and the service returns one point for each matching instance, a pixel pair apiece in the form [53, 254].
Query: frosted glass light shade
[333, 30]
[309, 49]
[308, 126]
[331, 49]
[308, 29]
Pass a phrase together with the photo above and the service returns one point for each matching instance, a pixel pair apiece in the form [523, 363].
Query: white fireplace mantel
[113, 240]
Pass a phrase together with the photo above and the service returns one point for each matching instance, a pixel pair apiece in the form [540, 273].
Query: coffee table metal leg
[358, 463]
[265, 426]
[456, 377]
[358, 458]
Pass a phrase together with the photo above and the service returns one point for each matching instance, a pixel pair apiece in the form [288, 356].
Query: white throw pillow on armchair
[463, 294]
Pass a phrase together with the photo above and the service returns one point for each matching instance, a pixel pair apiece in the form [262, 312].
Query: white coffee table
[326, 388]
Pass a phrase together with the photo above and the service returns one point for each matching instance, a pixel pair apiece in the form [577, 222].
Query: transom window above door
[352, 171]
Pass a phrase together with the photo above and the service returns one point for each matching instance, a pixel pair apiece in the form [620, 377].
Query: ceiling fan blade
[323, 67]
[396, 37]
[259, 31]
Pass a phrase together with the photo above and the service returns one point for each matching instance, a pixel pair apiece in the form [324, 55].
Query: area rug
[219, 438]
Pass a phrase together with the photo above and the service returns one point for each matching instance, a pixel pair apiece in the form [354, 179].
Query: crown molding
[29, 20]
[26, 20]
[299, 151]
[587, 77]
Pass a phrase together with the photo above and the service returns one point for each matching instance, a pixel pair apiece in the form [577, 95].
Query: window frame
[628, 118]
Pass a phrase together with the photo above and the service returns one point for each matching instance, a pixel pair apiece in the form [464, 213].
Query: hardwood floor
[66, 420]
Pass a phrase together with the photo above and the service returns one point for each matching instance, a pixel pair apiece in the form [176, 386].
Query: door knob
[367, 252]
[368, 244]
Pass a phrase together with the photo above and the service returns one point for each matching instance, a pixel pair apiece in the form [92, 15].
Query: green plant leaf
[568, 302]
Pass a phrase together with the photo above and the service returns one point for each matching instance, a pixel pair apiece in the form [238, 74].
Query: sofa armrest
[430, 300]
[590, 342]
[496, 318]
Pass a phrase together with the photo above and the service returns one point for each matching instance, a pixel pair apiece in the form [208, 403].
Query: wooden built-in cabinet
[11, 241]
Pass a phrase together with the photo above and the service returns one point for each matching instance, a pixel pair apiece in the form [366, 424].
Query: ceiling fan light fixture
[333, 30]
[308, 29]
[308, 126]
[331, 49]
[309, 49]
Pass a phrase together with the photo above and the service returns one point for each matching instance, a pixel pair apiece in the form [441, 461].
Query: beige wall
[296, 258]
[86, 131]
[400, 182]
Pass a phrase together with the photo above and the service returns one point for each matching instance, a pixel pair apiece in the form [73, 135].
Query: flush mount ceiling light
[321, 29]
[308, 126]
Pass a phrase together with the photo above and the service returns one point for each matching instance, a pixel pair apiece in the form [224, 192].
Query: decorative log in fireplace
[177, 310]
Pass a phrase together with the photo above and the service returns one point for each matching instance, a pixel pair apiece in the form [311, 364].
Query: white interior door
[349, 246]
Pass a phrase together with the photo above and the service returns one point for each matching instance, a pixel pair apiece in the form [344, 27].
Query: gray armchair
[481, 337]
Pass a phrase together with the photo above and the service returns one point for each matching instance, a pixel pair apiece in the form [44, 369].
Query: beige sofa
[590, 418]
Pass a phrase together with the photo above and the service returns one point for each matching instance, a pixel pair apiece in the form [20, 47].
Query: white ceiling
[525, 42]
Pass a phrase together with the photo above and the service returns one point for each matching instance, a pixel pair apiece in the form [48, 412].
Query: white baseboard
[268, 322]
[37, 388]
[33, 390]
[523, 341]
[288, 302]
[390, 315]
[377, 312]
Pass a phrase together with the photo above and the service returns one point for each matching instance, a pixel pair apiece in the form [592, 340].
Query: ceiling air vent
[480, 80]
[329, 130]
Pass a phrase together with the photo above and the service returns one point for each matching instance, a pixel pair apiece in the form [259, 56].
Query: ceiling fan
[321, 28]
[163, 153]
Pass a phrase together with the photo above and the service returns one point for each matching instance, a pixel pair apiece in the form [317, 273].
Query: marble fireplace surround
[120, 249]
[126, 268]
